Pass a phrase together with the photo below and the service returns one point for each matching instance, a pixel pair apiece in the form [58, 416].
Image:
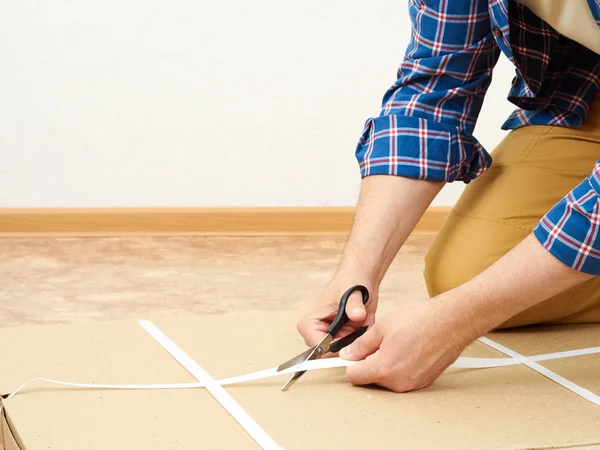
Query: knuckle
[401, 388]
[351, 375]
[407, 385]
[394, 385]
[357, 346]
[302, 329]
[386, 371]
[410, 386]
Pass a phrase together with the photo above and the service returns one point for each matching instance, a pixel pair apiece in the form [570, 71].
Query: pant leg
[534, 167]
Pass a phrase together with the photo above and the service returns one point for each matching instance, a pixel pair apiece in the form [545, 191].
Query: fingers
[364, 372]
[364, 346]
[355, 310]
[314, 324]
[311, 332]
[365, 350]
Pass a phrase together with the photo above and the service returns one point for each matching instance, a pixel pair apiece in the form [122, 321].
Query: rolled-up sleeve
[571, 229]
[425, 127]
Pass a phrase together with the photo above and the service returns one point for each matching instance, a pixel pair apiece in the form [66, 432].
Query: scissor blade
[312, 353]
[297, 359]
[292, 380]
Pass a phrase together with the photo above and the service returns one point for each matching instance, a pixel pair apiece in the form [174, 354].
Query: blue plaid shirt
[425, 127]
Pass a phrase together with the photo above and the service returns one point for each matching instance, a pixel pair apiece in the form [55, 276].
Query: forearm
[388, 209]
[524, 277]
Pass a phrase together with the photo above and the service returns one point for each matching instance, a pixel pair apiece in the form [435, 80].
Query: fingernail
[357, 311]
[345, 352]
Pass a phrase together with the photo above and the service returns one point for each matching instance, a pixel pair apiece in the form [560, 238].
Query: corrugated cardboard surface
[504, 408]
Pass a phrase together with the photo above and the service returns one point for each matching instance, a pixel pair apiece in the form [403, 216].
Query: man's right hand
[313, 325]
[388, 209]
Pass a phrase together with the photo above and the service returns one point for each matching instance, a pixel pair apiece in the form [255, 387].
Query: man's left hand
[409, 348]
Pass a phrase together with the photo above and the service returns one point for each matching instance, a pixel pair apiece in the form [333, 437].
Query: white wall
[197, 103]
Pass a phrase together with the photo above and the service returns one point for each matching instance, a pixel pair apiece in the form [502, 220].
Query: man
[522, 245]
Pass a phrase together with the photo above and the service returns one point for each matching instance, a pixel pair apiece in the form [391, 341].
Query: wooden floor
[59, 280]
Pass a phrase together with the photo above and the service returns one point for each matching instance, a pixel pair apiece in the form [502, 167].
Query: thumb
[355, 310]
[364, 346]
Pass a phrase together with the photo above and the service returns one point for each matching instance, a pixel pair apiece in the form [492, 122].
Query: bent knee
[459, 253]
[444, 268]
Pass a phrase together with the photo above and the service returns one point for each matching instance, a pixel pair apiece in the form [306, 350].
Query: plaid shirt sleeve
[425, 127]
[571, 230]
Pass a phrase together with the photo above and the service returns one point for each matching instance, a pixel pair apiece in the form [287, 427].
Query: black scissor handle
[342, 318]
[346, 340]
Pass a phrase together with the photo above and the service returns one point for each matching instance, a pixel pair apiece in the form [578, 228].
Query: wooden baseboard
[190, 221]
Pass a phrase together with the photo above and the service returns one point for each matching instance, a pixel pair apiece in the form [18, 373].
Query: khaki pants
[534, 167]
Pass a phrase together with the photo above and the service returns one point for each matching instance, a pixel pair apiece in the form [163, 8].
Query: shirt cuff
[571, 230]
[418, 148]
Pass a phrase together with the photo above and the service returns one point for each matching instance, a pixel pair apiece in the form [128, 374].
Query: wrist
[352, 276]
[345, 277]
[355, 264]
[461, 314]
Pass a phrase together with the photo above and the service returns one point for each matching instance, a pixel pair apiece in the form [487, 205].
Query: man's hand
[313, 325]
[409, 348]
[388, 209]
[412, 346]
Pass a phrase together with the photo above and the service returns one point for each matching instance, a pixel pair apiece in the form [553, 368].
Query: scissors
[326, 346]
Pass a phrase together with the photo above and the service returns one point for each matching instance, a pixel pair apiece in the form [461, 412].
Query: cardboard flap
[7, 440]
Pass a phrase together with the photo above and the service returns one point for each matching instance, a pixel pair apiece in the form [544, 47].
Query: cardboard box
[499, 408]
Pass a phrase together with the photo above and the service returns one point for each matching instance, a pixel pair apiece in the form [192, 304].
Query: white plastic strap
[308, 365]
[463, 362]
[529, 362]
[217, 391]
[260, 436]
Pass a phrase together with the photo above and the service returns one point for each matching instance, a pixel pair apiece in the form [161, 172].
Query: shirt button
[497, 31]
[515, 80]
